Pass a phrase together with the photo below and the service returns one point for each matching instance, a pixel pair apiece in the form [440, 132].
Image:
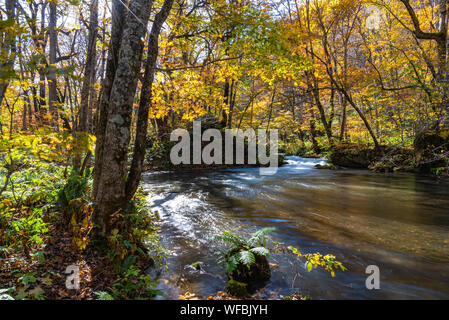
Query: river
[398, 222]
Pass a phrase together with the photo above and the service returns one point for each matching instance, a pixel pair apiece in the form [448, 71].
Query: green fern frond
[230, 238]
[258, 238]
[261, 251]
[247, 258]
[232, 263]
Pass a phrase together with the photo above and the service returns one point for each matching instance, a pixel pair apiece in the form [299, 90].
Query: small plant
[317, 260]
[246, 260]
[77, 187]
[312, 260]
[133, 284]
[101, 295]
[74, 199]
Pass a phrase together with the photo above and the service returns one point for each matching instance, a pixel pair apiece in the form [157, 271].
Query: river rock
[257, 272]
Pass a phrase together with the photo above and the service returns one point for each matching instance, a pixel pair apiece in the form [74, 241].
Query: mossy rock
[281, 160]
[197, 265]
[237, 289]
[327, 167]
[397, 159]
[355, 156]
[257, 272]
[428, 147]
[442, 171]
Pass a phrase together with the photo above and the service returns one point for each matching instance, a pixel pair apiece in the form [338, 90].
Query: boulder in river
[257, 272]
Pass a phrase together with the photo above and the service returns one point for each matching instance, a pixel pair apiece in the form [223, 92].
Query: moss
[355, 156]
[327, 166]
[442, 171]
[237, 289]
[431, 149]
[258, 272]
[197, 265]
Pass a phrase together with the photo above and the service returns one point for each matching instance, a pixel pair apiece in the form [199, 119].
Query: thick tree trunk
[111, 196]
[118, 24]
[145, 101]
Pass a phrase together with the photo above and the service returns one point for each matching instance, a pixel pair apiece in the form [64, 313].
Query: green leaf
[37, 292]
[101, 295]
[232, 262]
[261, 251]
[247, 258]
[28, 278]
[259, 236]
[309, 266]
[230, 238]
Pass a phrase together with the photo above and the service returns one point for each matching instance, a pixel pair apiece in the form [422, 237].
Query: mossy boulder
[257, 272]
[327, 167]
[397, 159]
[431, 148]
[197, 265]
[355, 156]
[237, 289]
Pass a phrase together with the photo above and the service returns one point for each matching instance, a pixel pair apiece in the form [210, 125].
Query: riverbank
[386, 159]
[47, 237]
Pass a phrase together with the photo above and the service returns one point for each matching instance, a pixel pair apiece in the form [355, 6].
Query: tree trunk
[343, 117]
[118, 24]
[111, 195]
[145, 101]
[89, 71]
[51, 76]
[224, 115]
[89, 76]
[8, 51]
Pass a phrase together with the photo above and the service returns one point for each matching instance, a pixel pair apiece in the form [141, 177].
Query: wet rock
[197, 265]
[258, 272]
[355, 156]
[237, 289]
[327, 167]
[431, 146]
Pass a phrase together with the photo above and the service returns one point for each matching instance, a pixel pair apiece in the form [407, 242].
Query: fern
[241, 251]
[258, 238]
[230, 238]
[232, 263]
[261, 251]
[247, 258]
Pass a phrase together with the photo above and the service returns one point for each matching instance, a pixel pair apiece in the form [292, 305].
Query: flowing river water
[398, 222]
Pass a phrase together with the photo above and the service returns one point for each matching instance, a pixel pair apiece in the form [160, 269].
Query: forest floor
[45, 277]
[45, 231]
